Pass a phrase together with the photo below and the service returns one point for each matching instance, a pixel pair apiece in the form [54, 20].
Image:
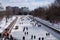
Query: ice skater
[34, 37]
[39, 38]
[27, 28]
[23, 37]
[42, 38]
[23, 29]
[31, 36]
[11, 38]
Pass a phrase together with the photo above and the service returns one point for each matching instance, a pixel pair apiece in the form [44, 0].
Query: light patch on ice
[32, 30]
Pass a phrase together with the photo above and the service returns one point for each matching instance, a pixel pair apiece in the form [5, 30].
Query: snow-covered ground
[32, 30]
[4, 25]
[52, 25]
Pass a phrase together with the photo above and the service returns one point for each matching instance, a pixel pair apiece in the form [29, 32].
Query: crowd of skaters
[25, 31]
[32, 36]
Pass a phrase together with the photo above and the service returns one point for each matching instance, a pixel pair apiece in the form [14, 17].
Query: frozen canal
[30, 30]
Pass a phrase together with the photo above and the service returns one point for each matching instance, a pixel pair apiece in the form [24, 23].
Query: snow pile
[4, 25]
[52, 25]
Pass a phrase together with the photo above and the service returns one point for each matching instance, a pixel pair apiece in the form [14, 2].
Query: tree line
[52, 13]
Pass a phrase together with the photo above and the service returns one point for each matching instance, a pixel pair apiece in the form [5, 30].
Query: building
[12, 10]
[24, 10]
[17, 10]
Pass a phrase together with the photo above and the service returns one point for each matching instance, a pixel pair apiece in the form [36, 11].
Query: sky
[31, 4]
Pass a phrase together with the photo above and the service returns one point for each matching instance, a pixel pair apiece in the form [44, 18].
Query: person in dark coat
[31, 36]
[11, 38]
[34, 36]
[26, 28]
[42, 38]
[39, 38]
[23, 37]
[23, 29]
[27, 33]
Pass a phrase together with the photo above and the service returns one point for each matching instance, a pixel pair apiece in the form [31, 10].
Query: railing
[9, 28]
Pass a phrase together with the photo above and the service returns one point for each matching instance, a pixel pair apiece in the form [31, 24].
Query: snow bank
[4, 25]
[52, 25]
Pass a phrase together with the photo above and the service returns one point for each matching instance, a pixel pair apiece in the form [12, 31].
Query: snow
[1, 31]
[4, 25]
[32, 30]
[52, 25]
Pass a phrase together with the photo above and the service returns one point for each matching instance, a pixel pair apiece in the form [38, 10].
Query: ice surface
[32, 30]
[52, 25]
